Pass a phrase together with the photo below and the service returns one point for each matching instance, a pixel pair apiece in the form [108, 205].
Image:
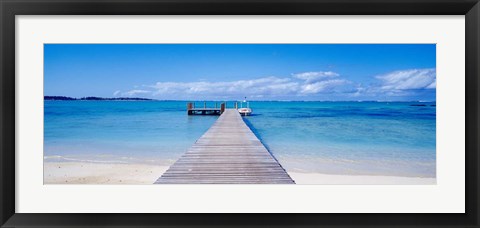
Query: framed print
[336, 128]
[277, 113]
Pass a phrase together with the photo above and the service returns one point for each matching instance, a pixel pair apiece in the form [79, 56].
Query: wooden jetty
[228, 153]
[192, 110]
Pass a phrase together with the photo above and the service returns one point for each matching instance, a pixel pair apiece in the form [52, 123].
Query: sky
[309, 72]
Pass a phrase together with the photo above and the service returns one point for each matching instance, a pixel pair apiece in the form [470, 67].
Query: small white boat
[245, 111]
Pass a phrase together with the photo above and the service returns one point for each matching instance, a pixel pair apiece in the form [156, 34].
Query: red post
[189, 108]
[222, 108]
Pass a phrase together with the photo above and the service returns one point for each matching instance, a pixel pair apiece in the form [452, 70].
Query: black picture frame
[10, 8]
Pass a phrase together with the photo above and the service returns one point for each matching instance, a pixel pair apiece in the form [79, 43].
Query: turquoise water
[357, 138]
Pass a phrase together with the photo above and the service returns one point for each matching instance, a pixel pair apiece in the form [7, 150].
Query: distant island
[64, 98]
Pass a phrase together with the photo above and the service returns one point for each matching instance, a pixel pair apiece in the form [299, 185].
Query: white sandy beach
[318, 178]
[102, 173]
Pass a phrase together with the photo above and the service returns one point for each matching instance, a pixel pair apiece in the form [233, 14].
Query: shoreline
[107, 173]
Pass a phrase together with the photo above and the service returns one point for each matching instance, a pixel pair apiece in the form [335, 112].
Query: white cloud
[410, 84]
[116, 93]
[298, 85]
[315, 76]
[433, 85]
[136, 92]
[409, 79]
[323, 86]
[261, 86]
[266, 87]
[308, 85]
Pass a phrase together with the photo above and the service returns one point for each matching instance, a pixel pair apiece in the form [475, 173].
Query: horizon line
[207, 100]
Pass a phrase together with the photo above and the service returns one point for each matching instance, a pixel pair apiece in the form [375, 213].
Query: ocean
[348, 138]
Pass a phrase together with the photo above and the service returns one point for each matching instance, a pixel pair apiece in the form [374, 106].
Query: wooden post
[236, 105]
[222, 108]
[204, 104]
[189, 108]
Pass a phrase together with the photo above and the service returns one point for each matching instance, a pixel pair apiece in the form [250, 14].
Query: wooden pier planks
[228, 153]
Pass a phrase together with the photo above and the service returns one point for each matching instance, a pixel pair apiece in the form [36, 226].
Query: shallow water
[355, 138]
